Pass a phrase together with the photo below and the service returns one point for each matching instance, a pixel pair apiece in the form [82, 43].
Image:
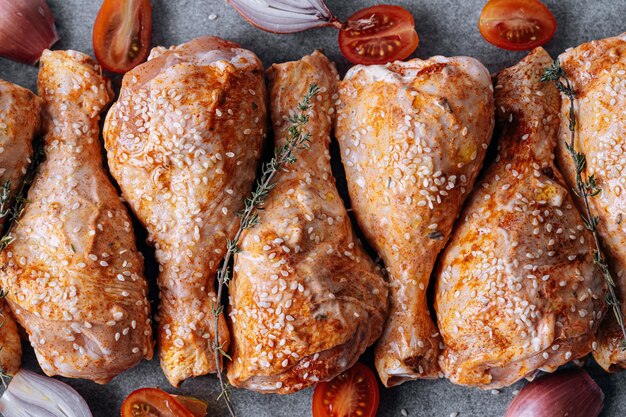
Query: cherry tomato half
[152, 402]
[516, 24]
[353, 393]
[121, 34]
[195, 406]
[389, 36]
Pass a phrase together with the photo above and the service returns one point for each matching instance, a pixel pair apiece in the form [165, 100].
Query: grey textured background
[445, 27]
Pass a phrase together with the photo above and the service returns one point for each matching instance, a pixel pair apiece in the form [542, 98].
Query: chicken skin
[597, 71]
[73, 274]
[183, 142]
[516, 286]
[11, 352]
[19, 122]
[306, 300]
[412, 136]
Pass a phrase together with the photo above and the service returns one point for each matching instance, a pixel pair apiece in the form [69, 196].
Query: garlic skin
[285, 16]
[26, 29]
[33, 395]
[567, 393]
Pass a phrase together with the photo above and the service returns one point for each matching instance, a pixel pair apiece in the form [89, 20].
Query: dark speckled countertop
[445, 27]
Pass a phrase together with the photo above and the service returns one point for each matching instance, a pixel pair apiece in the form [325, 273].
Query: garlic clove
[571, 392]
[26, 29]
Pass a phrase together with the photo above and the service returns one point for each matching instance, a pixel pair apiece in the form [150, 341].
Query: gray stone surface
[446, 27]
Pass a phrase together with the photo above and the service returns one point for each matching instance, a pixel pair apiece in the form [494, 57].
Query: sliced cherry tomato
[516, 24]
[353, 393]
[152, 402]
[121, 34]
[195, 406]
[387, 34]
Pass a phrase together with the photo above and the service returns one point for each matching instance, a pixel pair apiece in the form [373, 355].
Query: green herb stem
[14, 213]
[4, 377]
[585, 189]
[248, 217]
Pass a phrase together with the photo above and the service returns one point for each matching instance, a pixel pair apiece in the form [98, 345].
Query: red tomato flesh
[195, 406]
[152, 402]
[353, 393]
[384, 34]
[516, 24]
[121, 34]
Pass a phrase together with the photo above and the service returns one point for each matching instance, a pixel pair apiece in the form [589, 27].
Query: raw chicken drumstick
[306, 300]
[19, 122]
[73, 274]
[517, 289]
[183, 142]
[412, 136]
[597, 71]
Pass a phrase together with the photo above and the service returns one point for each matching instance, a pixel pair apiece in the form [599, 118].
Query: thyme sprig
[4, 377]
[586, 187]
[5, 197]
[5, 212]
[14, 213]
[249, 216]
